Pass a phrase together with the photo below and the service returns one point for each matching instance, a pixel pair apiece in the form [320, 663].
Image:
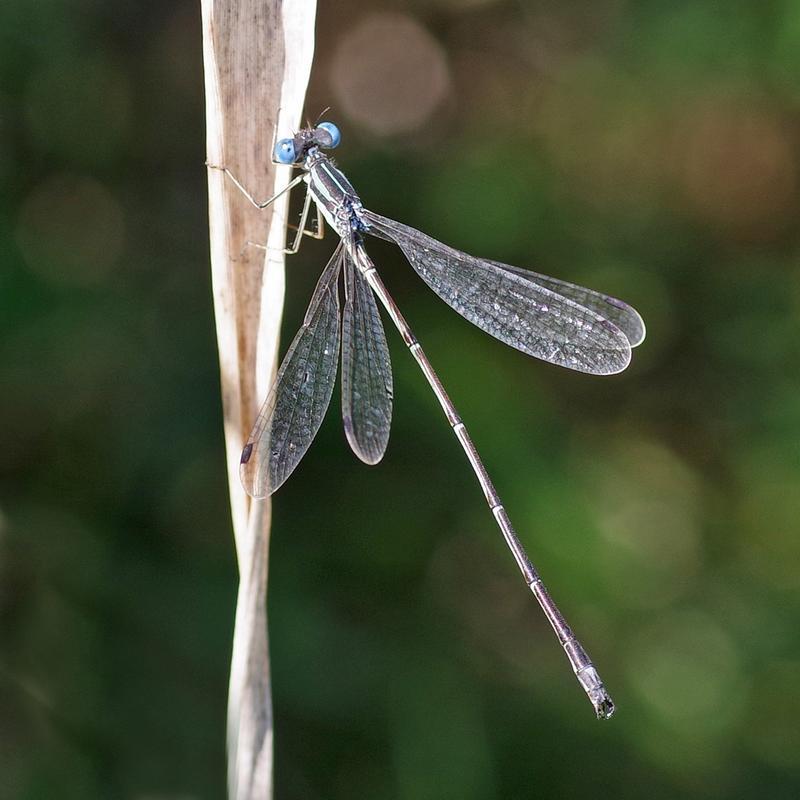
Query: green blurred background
[649, 149]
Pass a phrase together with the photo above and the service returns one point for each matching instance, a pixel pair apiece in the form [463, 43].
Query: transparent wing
[520, 312]
[366, 370]
[296, 404]
[625, 317]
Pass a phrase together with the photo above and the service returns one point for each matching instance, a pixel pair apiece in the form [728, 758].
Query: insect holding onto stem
[545, 317]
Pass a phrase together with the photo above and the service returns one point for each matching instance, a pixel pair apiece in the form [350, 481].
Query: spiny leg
[295, 246]
[320, 232]
[301, 229]
[253, 201]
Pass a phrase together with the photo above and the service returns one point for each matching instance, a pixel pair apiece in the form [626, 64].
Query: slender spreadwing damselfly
[544, 317]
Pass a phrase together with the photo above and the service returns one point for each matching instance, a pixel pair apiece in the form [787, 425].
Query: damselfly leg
[317, 233]
[258, 204]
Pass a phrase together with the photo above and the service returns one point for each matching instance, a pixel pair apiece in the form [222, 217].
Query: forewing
[625, 317]
[296, 404]
[518, 311]
[366, 370]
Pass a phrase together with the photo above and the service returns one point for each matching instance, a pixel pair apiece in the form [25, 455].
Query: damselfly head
[292, 151]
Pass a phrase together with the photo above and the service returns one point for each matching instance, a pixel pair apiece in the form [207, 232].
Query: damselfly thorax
[333, 193]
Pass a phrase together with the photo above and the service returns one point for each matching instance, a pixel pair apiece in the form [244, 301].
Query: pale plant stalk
[257, 56]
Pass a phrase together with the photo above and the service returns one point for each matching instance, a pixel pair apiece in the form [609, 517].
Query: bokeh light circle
[389, 74]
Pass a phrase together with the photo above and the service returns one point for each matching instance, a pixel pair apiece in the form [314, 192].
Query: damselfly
[544, 317]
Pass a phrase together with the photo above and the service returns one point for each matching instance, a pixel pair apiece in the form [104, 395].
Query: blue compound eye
[332, 131]
[284, 151]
